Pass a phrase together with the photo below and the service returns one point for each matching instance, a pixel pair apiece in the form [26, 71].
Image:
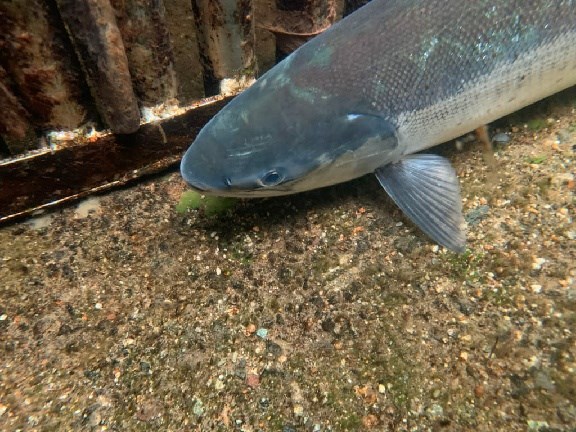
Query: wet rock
[273, 348]
[92, 374]
[475, 216]
[253, 380]
[46, 327]
[65, 329]
[435, 411]
[501, 138]
[145, 367]
[240, 369]
[543, 381]
[328, 325]
[466, 307]
[198, 408]
[519, 387]
[91, 416]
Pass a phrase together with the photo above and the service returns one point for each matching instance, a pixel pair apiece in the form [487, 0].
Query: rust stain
[36, 55]
[14, 118]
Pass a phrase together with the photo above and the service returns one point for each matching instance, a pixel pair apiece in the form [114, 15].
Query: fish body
[392, 79]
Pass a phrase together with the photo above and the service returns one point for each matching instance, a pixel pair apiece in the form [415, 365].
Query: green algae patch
[536, 125]
[536, 160]
[210, 205]
[188, 200]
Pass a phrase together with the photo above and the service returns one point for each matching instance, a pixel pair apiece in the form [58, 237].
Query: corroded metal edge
[50, 179]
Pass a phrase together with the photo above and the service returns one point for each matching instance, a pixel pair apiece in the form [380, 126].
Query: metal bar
[95, 35]
[33, 183]
[294, 23]
[148, 47]
[182, 27]
[226, 39]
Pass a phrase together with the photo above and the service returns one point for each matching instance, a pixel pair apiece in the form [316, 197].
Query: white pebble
[537, 264]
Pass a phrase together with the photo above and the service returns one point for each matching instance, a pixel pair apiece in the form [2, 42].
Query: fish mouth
[320, 176]
[195, 184]
[239, 192]
[197, 188]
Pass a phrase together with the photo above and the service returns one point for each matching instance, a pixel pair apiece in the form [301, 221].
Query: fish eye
[271, 178]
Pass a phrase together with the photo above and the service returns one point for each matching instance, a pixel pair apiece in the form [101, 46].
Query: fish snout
[197, 172]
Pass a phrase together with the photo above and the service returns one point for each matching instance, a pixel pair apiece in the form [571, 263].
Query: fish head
[282, 136]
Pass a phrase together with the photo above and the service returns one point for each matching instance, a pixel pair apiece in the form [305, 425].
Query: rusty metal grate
[72, 71]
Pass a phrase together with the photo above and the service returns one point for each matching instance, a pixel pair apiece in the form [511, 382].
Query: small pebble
[145, 366]
[250, 329]
[435, 411]
[369, 421]
[542, 381]
[479, 390]
[218, 385]
[198, 408]
[536, 289]
[262, 333]
[536, 425]
[538, 262]
[474, 216]
[501, 138]
[253, 380]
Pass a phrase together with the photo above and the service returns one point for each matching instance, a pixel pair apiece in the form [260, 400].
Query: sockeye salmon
[392, 79]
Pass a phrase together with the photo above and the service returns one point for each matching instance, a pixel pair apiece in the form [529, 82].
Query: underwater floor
[323, 311]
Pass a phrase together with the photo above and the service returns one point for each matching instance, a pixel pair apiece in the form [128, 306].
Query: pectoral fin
[426, 188]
